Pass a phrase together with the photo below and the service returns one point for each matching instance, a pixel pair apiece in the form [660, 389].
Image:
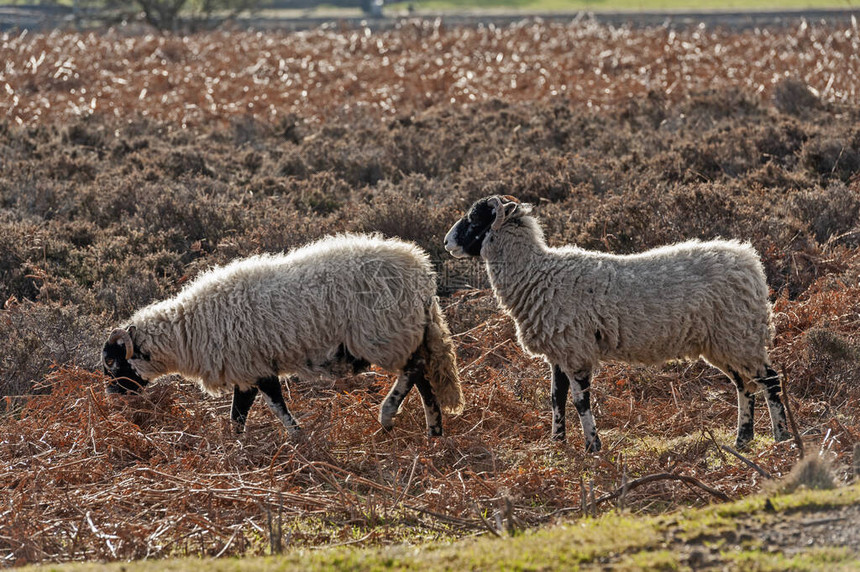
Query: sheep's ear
[502, 210]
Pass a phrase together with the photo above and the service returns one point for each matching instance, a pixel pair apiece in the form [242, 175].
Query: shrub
[395, 213]
[793, 96]
[813, 472]
[831, 159]
[828, 212]
[36, 337]
[825, 344]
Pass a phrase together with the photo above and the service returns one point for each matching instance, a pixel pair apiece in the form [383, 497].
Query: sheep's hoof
[742, 444]
[781, 436]
[593, 446]
[434, 431]
[559, 436]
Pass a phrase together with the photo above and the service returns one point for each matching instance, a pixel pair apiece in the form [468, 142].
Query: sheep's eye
[109, 362]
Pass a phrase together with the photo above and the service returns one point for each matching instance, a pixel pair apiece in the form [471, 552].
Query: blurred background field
[531, 6]
[130, 160]
[178, 15]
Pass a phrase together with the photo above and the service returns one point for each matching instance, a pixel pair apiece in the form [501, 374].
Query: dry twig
[635, 483]
[747, 462]
[788, 409]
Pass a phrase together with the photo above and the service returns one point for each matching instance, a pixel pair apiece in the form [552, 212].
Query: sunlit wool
[686, 300]
[576, 307]
[290, 313]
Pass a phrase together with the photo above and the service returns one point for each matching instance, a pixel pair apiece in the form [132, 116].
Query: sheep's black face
[467, 236]
[124, 378]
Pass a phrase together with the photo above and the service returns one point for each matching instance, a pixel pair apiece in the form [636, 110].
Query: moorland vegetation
[131, 162]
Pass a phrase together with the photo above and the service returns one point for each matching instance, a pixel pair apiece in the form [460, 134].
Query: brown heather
[128, 163]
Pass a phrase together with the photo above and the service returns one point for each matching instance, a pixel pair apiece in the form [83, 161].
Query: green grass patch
[835, 559]
[714, 520]
[664, 560]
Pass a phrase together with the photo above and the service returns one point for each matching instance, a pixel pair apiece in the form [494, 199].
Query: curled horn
[497, 206]
[122, 336]
[499, 203]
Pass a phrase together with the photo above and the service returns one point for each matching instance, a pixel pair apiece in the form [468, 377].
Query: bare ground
[788, 533]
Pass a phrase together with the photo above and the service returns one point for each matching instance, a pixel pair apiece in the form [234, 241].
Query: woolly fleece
[288, 314]
[577, 307]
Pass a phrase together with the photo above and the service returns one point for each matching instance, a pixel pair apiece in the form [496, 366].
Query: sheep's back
[686, 300]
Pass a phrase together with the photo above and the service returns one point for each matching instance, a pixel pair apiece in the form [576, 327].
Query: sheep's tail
[441, 361]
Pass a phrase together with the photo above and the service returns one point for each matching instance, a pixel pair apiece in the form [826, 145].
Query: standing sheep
[576, 307]
[333, 306]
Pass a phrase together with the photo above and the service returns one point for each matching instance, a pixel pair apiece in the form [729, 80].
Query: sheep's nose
[454, 249]
[450, 243]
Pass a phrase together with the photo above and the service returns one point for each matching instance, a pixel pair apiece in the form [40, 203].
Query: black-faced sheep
[333, 306]
[575, 307]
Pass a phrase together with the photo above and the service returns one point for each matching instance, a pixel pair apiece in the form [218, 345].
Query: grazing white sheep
[336, 305]
[576, 307]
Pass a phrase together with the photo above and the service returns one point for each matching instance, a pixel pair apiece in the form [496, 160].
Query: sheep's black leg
[432, 412]
[560, 388]
[775, 407]
[746, 412]
[394, 399]
[581, 390]
[271, 388]
[242, 401]
[413, 375]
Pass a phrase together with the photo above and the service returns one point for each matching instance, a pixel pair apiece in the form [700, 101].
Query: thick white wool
[288, 314]
[577, 307]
